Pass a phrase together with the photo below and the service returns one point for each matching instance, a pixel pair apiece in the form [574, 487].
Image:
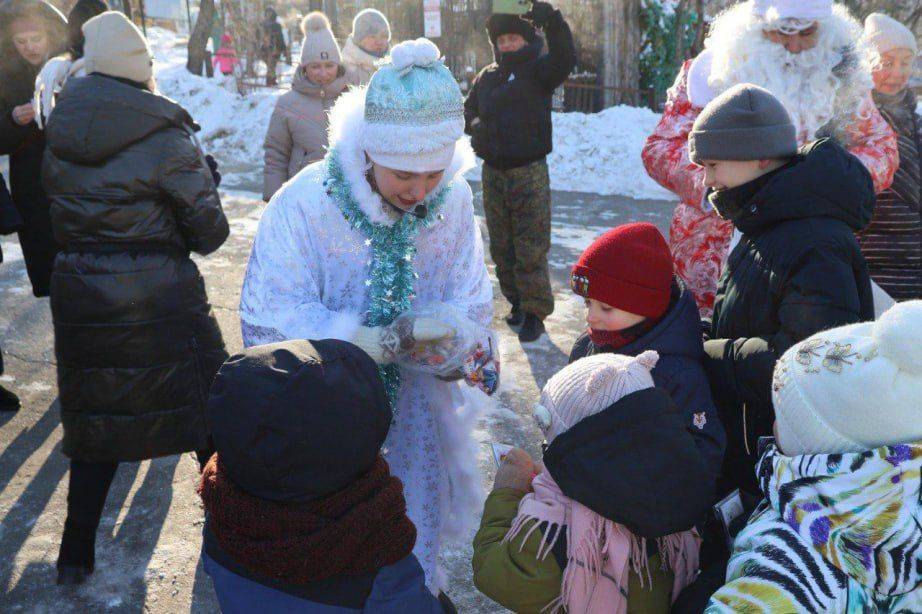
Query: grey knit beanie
[368, 23]
[744, 123]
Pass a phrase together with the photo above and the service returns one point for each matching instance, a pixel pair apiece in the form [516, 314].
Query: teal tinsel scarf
[391, 275]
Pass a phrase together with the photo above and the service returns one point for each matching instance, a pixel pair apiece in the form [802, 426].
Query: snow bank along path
[597, 153]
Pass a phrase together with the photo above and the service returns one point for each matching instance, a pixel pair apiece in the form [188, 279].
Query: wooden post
[621, 47]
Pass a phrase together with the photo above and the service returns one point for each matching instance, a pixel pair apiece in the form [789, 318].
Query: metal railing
[581, 97]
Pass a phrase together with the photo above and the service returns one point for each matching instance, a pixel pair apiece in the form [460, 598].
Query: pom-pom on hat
[319, 44]
[414, 113]
[886, 34]
[852, 388]
[589, 386]
[629, 268]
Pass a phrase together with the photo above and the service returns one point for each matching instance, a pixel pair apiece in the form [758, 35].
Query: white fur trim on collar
[347, 133]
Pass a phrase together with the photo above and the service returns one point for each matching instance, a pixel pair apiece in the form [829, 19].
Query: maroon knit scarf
[617, 339]
[358, 530]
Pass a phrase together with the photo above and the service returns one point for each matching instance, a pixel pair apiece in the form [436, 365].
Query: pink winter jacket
[297, 134]
[225, 60]
[699, 238]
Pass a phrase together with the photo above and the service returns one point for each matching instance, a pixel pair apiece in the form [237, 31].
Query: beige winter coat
[297, 134]
[359, 61]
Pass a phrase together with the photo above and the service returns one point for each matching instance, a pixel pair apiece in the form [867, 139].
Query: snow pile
[233, 127]
[597, 153]
[600, 152]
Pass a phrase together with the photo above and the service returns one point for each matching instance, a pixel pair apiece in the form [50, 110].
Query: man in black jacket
[508, 115]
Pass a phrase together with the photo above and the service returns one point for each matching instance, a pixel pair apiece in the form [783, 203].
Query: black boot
[77, 556]
[532, 328]
[515, 317]
[8, 401]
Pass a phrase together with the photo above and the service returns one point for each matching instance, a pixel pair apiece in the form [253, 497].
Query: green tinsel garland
[391, 276]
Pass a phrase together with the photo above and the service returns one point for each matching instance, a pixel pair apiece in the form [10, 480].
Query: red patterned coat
[698, 237]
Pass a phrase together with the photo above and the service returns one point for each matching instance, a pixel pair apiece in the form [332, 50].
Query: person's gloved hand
[385, 344]
[517, 471]
[213, 167]
[540, 13]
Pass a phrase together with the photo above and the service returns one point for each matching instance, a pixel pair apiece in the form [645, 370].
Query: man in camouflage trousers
[508, 115]
[517, 203]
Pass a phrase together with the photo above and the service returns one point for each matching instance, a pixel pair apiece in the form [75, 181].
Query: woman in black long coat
[31, 31]
[136, 343]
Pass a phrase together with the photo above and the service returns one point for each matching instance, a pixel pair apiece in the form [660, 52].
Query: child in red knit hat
[636, 303]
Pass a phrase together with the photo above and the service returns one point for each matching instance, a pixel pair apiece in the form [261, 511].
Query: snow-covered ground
[597, 153]
[149, 540]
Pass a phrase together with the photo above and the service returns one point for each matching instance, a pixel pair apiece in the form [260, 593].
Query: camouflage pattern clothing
[517, 203]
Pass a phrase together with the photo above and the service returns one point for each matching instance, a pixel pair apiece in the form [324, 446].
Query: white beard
[804, 82]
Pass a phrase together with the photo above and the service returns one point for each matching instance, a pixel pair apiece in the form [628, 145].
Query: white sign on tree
[432, 18]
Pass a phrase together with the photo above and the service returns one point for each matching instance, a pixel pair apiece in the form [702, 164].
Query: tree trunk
[199, 38]
[621, 47]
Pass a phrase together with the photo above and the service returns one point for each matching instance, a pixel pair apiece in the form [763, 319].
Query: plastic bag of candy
[465, 355]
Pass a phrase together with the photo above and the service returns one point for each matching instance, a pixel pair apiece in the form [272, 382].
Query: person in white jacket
[354, 245]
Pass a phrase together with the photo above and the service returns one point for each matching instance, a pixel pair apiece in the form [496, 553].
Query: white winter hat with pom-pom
[852, 388]
[414, 111]
[589, 386]
[319, 44]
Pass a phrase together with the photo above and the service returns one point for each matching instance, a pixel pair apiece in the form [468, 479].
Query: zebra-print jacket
[836, 533]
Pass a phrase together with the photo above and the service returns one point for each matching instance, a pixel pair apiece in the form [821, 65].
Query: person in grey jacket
[297, 134]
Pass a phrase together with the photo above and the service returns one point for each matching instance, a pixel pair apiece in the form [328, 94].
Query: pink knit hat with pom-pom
[590, 385]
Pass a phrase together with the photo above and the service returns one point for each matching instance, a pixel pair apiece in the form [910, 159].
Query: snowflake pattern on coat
[308, 278]
[699, 238]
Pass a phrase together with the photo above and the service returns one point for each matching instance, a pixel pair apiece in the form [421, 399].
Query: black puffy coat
[25, 145]
[508, 110]
[676, 337]
[136, 343]
[796, 271]
[636, 464]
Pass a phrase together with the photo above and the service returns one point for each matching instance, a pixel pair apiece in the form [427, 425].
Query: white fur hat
[590, 385]
[886, 34]
[852, 388]
[773, 11]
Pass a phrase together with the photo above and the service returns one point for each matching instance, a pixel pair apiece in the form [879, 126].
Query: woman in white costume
[384, 226]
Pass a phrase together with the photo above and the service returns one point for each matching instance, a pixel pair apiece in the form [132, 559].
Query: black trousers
[87, 490]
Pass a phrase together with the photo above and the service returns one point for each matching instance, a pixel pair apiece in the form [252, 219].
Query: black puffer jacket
[796, 271]
[25, 145]
[635, 463]
[508, 110]
[136, 343]
[676, 337]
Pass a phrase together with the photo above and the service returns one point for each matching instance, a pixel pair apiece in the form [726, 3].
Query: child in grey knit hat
[797, 268]
[740, 136]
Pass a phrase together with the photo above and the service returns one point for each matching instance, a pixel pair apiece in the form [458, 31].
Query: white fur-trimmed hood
[347, 132]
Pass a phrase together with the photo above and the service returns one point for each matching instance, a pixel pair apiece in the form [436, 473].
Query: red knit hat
[629, 268]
